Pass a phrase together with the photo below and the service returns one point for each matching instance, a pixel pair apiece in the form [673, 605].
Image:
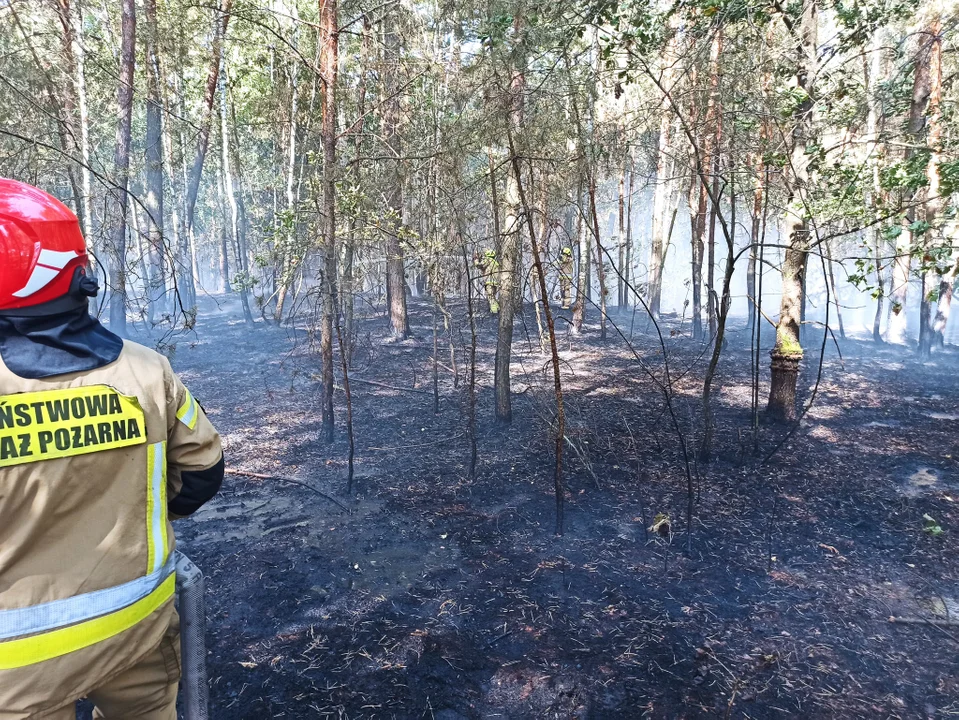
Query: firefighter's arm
[195, 463]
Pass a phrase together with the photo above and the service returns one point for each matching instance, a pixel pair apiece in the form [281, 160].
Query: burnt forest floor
[810, 587]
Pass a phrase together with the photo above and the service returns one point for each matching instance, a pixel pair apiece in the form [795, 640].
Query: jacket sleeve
[195, 463]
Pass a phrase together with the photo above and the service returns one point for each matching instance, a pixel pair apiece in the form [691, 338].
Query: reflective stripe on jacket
[88, 463]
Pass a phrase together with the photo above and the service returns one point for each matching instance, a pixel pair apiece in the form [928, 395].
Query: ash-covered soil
[443, 598]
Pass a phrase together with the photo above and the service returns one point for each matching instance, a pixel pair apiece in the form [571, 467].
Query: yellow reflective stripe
[31, 650]
[189, 411]
[156, 515]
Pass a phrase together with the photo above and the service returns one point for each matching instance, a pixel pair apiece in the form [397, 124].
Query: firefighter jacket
[88, 464]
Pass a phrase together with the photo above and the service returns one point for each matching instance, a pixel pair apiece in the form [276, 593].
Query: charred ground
[436, 597]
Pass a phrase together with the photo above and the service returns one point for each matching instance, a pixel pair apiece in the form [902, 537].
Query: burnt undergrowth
[441, 596]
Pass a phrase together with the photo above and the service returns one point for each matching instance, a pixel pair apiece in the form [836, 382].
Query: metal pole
[195, 692]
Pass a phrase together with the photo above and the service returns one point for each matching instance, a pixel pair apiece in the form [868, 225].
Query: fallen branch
[389, 387]
[291, 481]
[937, 624]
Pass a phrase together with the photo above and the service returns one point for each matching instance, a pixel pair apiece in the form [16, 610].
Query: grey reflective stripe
[156, 523]
[188, 413]
[60, 613]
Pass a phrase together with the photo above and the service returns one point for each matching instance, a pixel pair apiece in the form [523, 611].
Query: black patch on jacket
[199, 487]
[50, 345]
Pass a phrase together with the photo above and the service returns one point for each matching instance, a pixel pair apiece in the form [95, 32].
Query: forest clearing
[583, 360]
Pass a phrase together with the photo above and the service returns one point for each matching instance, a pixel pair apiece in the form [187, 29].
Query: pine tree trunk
[118, 206]
[754, 235]
[583, 274]
[509, 278]
[153, 202]
[72, 21]
[787, 353]
[661, 196]
[186, 283]
[286, 254]
[930, 211]
[621, 242]
[698, 228]
[395, 260]
[329, 59]
[235, 222]
[711, 149]
[628, 270]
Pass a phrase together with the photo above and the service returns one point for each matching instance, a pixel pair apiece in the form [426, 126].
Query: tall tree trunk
[754, 234]
[628, 270]
[932, 283]
[661, 196]
[119, 202]
[600, 265]
[233, 222]
[621, 241]
[153, 202]
[787, 353]
[872, 72]
[60, 104]
[395, 260]
[71, 19]
[710, 162]
[511, 255]
[909, 240]
[286, 259]
[185, 282]
[329, 60]
[583, 253]
[698, 230]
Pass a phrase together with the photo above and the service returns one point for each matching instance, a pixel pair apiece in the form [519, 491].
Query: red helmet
[41, 246]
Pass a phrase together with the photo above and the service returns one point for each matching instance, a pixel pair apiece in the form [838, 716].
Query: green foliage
[906, 175]
[859, 20]
[949, 177]
[931, 525]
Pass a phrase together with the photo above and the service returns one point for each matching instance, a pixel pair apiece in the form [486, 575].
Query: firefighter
[490, 270]
[101, 446]
[566, 276]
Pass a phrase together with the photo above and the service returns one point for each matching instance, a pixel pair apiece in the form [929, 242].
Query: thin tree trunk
[754, 235]
[232, 227]
[661, 196]
[600, 266]
[153, 202]
[118, 216]
[72, 21]
[710, 161]
[395, 260]
[621, 241]
[628, 270]
[932, 283]
[559, 486]
[583, 274]
[909, 240]
[329, 60]
[788, 352]
[186, 281]
[698, 223]
[872, 71]
[510, 258]
[286, 259]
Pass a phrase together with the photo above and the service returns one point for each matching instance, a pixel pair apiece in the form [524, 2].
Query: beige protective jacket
[88, 462]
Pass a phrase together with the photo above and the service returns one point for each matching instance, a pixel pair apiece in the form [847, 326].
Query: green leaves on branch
[906, 175]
